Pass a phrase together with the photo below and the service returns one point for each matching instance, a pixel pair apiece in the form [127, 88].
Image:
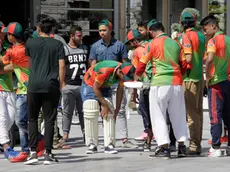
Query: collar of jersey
[218, 33]
[160, 35]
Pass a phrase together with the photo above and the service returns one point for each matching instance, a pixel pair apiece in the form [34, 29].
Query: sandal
[63, 140]
[61, 146]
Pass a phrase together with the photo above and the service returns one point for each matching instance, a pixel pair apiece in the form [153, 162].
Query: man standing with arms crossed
[108, 48]
[193, 43]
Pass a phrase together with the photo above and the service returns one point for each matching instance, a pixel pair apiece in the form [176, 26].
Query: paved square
[133, 160]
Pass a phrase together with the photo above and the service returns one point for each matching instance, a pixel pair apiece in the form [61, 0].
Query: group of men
[93, 82]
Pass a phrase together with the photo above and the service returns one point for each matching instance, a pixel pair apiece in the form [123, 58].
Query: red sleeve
[140, 68]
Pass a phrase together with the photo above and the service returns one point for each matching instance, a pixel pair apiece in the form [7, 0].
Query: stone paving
[130, 160]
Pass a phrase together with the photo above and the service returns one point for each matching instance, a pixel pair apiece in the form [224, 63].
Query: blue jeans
[88, 93]
[22, 121]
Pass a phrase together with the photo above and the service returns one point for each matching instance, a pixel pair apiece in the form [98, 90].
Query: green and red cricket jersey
[141, 50]
[103, 72]
[166, 56]
[220, 45]
[16, 56]
[193, 42]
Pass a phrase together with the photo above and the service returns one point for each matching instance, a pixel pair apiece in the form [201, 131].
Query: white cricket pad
[109, 126]
[91, 111]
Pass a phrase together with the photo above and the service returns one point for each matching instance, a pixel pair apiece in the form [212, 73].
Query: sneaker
[214, 152]
[40, 148]
[181, 151]
[110, 149]
[147, 147]
[92, 149]
[161, 152]
[227, 152]
[32, 159]
[50, 159]
[142, 137]
[172, 148]
[128, 144]
[10, 153]
[20, 158]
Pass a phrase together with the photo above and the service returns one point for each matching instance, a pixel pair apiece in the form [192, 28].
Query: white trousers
[7, 114]
[171, 99]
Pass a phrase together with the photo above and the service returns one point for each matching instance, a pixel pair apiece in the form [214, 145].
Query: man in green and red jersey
[193, 43]
[96, 88]
[135, 40]
[7, 102]
[16, 60]
[217, 82]
[166, 91]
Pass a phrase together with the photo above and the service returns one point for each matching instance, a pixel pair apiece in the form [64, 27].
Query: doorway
[15, 11]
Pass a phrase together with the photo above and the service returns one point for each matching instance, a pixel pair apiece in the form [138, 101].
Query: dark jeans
[219, 110]
[144, 109]
[49, 104]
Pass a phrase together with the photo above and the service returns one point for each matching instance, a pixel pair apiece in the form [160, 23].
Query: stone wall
[135, 12]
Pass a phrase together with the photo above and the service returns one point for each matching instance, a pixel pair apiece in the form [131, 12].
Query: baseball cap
[128, 70]
[131, 35]
[151, 23]
[188, 17]
[14, 28]
[105, 23]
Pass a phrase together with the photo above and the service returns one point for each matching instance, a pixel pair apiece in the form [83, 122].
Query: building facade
[124, 14]
[168, 11]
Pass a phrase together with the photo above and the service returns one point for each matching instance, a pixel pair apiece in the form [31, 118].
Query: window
[86, 13]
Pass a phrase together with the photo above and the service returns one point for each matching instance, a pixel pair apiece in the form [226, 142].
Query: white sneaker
[32, 159]
[214, 152]
[92, 149]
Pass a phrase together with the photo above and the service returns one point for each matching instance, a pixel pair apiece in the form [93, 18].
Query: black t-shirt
[76, 64]
[44, 54]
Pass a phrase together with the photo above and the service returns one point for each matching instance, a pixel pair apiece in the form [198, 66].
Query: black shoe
[181, 151]
[227, 153]
[147, 147]
[194, 153]
[92, 149]
[161, 152]
[50, 159]
[110, 149]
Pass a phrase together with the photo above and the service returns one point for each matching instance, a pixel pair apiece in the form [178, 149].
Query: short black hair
[158, 26]
[75, 28]
[210, 19]
[188, 24]
[46, 25]
[142, 24]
